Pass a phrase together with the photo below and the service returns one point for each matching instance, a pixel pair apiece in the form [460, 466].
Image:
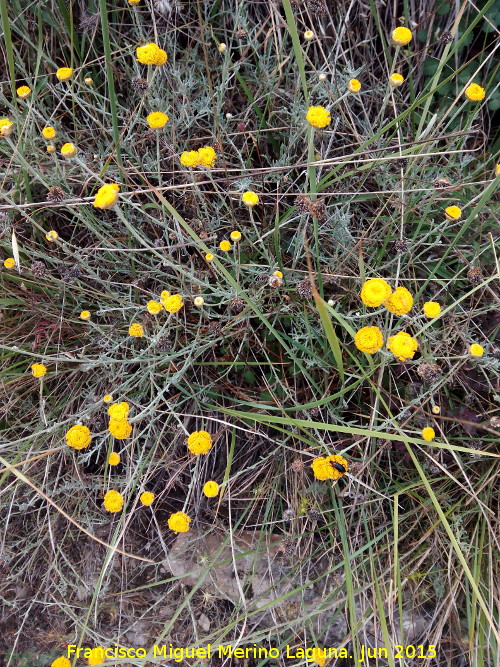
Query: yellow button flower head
[399, 302]
[97, 655]
[49, 132]
[133, 2]
[69, 150]
[52, 236]
[61, 662]
[374, 292]
[279, 274]
[179, 522]
[497, 168]
[396, 79]
[151, 54]
[319, 656]
[428, 433]
[107, 398]
[51, 149]
[222, 47]
[369, 339]
[119, 410]
[199, 442]
[402, 345]
[453, 213]
[324, 467]
[147, 498]
[88, 80]
[235, 236]
[106, 196]
[24, 92]
[78, 437]
[436, 409]
[476, 350]
[9, 263]
[318, 117]
[38, 370]
[64, 73]
[207, 156]
[157, 120]
[190, 158]
[401, 36]
[198, 301]
[136, 330]
[475, 93]
[154, 307]
[113, 502]
[211, 489]
[431, 309]
[354, 86]
[120, 429]
[209, 257]
[6, 127]
[114, 459]
[85, 315]
[308, 35]
[250, 198]
[225, 246]
[173, 304]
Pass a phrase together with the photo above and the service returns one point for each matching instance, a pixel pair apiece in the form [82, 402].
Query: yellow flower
[85, 315]
[399, 302]
[225, 246]
[190, 158]
[354, 86]
[222, 47]
[24, 92]
[322, 76]
[279, 274]
[431, 309]
[428, 433]
[319, 656]
[154, 307]
[396, 79]
[120, 429]
[374, 292]
[133, 2]
[114, 459]
[211, 489]
[250, 198]
[88, 80]
[61, 662]
[453, 213]
[113, 502]
[157, 120]
[52, 236]
[49, 132]
[97, 654]
[164, 295]
[475, 93]
[436, 409]
[106, 196]
[209, 257]
[9, 263]
[318, 117]
[402, 345]
[324, 467]
[107, 398]
[64, 73]
[476, 350]
[179, 522]
[497, 169]
[235, 236]
[173, 304]
[136, 330]
[207, 156]
[369, 339]
[69, 150]
[118, 410]
[38, 370]
[199, 442]
[199, 301]
[151, 54]
[78, 437]
[147, 498]
[401, 36]
[51, 149]
[308, 35]
[6, 127]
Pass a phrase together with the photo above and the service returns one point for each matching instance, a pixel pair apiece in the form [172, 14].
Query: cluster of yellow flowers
[172, 303]
[118, 425]
[203, 157]
[329, 467]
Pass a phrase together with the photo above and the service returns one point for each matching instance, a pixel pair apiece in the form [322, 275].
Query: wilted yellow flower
[24, 92]
[9, 263]
[88, 80]
[114, 459]
[78, 437]
[476, 350]
[147, 498]
[38, 370]
[428, 433]
[329, 467]
[49, 132]
[374, 292]
[308, 35]
[399, 302]
[453, 213]
[402, 345]
[225, 246]
[179, 522]
[431, 309]
[369, 339]
[52, 235]
[69, 150]
[154, 307]
[136, 330]
[106, 196]
[50, 149]
[396, 79]
[157, 120]
[64, 73]
[6, 127]
[211, 489]
[198, 301]
[173, 304]
[475, 93]
[120, 429]
[401, 36]
[113, 502]
[250, 198]
[199, 442]
[318, 117]
[222, 47]
[354, 86]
